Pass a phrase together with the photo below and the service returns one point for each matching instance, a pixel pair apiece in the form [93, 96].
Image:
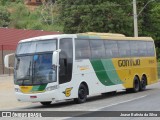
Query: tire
[136, 85]
[46, 103]
[82, 94]
[143, 84]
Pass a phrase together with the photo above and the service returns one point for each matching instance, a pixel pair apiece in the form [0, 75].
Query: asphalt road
[148, 100]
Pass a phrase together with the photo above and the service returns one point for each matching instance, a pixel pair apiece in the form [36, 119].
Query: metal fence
[4, 50]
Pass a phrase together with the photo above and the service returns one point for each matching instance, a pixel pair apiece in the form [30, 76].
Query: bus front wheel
[82, 94]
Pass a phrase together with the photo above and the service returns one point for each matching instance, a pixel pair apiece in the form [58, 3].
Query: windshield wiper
[17, 65]
[24, 79]
[28, 76]
[29, 69]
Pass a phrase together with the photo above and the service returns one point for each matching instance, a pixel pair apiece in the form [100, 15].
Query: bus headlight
[52, 88]
[17, 90]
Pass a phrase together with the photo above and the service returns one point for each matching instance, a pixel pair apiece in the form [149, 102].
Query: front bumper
[37, 97]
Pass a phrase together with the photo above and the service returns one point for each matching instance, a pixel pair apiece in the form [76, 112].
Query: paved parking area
[7, 95]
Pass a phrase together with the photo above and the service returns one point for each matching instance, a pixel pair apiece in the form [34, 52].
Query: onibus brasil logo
[21, 114]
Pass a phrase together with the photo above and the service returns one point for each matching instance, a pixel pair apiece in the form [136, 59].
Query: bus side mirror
[55, 57]
[6, 61]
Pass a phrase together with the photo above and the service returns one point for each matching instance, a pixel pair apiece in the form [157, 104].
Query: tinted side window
[124, 50]
[97, 49]
[66, 47]
[134, 48]
[82, 49]
[111, 48]
[142, 48]
[150, 49]
[65, 60]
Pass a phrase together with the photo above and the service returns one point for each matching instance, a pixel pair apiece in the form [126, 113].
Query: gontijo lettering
[129, 62]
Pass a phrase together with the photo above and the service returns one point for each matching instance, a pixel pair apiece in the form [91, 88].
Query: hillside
[114, 16]
[21, 16]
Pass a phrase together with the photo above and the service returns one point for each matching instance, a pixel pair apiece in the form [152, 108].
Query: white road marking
[118, 103]
[109, 105]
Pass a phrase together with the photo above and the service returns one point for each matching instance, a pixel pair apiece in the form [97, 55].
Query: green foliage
[72, 16]
[155, 21]
[109, 16]
[158, 53]
[19, 1]
[23, 18]
[35, 26]
[20, 16]
[4, 2]
[4, 17]
[97, 16]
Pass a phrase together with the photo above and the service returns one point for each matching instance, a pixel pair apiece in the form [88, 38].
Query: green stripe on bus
[39, 87]
[101, 72]
[35, 88]
[111, 72]
[42, 87]
[106, 72]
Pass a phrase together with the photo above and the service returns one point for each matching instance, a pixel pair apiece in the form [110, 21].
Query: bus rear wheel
[82, 94]
[143, 83]
[46, 103]
[136, 85]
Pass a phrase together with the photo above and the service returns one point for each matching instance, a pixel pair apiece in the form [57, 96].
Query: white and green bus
[72, 66]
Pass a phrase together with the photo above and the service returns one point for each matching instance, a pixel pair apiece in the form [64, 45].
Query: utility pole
[135, 18]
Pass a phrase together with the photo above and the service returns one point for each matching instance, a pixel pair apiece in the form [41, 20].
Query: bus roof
[88, 35]
[104, 34]
[111, 36]
[46, 37]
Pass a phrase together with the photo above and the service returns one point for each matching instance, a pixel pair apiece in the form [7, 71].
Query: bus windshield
[34, 68]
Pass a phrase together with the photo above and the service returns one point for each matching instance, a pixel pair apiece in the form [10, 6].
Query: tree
[47, 12]
[3, 2]
[155, 20]
[155, 31]
[20, 16]
[4, 17]
[98, 16]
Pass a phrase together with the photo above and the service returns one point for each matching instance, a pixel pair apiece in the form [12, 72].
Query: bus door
[65, 62]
